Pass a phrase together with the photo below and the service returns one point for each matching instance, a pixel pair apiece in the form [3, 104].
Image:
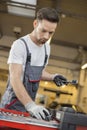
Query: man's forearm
[17, 85]
[21, 92]
[47, 76]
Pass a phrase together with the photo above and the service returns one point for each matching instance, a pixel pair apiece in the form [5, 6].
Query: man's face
[43, 30]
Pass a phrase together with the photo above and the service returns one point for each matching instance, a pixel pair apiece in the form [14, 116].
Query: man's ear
[35, 23]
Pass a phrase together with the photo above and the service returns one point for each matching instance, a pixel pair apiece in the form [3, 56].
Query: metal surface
[64, 121]
[21, 121]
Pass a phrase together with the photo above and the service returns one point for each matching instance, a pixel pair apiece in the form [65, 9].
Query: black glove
[59, 80]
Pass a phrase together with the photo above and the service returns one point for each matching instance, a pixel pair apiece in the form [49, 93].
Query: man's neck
[32, 37]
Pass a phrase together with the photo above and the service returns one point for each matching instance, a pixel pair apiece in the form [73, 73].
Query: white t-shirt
[18, 52]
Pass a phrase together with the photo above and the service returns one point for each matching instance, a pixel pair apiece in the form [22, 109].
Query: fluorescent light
[21, 11]
[22, 7]
[32, 2]
[84, 66]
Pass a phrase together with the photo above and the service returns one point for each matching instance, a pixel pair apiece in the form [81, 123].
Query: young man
[27, 61]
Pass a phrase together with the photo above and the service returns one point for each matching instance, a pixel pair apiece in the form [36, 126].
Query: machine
[65, 119]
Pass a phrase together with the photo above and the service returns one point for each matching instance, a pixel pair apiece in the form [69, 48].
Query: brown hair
[48, 13]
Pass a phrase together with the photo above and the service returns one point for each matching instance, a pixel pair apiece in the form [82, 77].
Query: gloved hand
[37, 111]
[59, 80]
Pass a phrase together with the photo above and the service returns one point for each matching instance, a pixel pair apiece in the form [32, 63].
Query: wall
[82, 97]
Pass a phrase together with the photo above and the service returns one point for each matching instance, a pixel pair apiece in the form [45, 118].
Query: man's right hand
[37, 111]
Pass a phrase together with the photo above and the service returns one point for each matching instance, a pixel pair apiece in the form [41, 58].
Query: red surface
[37, 128]
[14, 112]
[8, 125]
[81, 128]
[22, 126]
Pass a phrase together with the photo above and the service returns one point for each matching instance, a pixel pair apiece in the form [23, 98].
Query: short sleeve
[17, 52]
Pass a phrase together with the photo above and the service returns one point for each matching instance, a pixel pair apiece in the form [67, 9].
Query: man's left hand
[60, 80]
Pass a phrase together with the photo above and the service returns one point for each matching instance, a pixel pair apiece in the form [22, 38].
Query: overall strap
[28, 52]
[46, 56]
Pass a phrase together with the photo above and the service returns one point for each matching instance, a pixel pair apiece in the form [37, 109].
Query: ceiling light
[84, 66]
[22, 8]
[63, 15]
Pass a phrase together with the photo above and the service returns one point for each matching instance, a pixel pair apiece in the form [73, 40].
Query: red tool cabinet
[10, 120]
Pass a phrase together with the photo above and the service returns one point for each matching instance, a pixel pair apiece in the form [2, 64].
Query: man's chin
[43, 42]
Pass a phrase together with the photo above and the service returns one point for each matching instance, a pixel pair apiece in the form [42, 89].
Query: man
[27, 61]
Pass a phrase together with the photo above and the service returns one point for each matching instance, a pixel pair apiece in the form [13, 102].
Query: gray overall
[32, 76]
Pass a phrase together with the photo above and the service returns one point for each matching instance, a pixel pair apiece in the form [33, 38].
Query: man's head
[45, 25]
[48, 14]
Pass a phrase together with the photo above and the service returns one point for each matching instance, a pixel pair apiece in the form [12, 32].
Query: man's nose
[46, 35]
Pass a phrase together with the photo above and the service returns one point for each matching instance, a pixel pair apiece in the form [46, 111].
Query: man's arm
[15, 78]
[47, 76]
[18, 87]
[58, 79]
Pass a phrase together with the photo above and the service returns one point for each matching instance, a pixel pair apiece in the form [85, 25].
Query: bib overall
[32, 76]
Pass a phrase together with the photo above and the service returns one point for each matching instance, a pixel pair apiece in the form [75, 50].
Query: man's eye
[50, 33]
